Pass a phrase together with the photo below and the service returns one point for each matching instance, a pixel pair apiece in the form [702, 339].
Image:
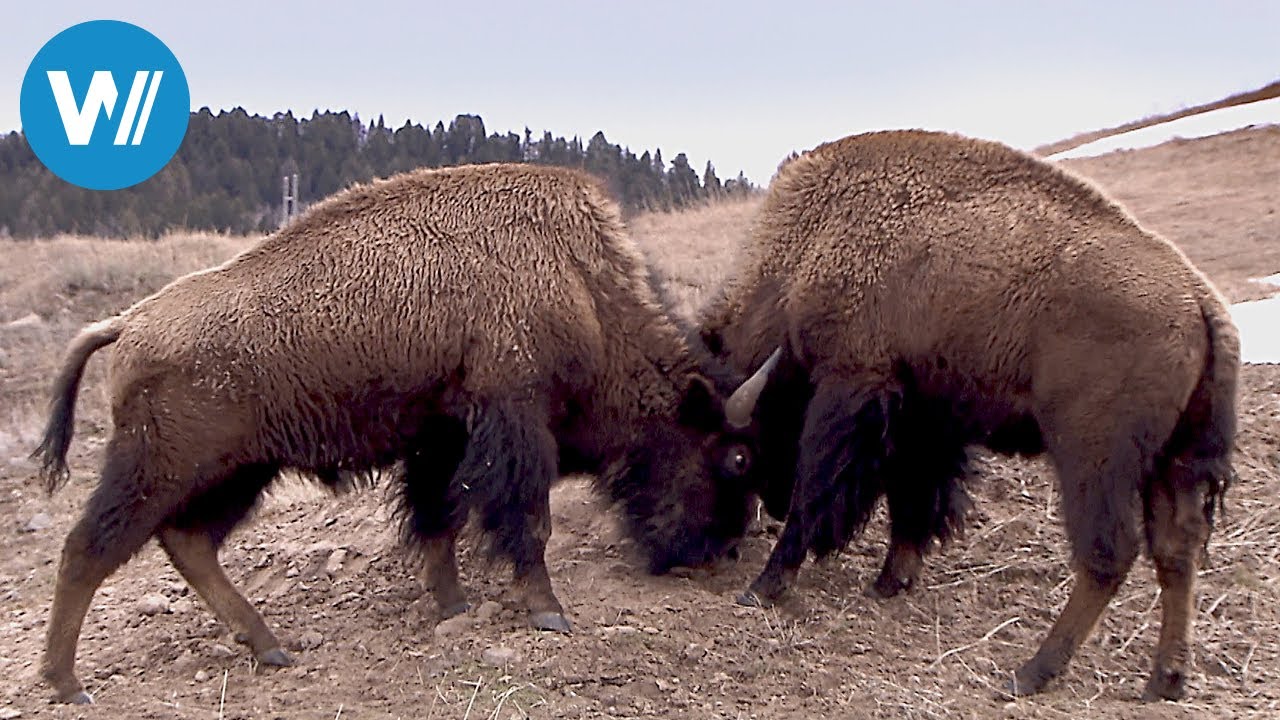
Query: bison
[923, 293]
[483, 329]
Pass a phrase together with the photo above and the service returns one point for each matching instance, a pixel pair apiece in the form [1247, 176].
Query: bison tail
[1203, 443]
[52, 451]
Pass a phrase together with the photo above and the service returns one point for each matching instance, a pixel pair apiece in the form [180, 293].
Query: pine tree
[226, 175]
[711, 183]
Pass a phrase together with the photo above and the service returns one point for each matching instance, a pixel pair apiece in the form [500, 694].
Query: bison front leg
[925, 493]
[441, 558]
[837, 481]
[508, 469]
[437, 508]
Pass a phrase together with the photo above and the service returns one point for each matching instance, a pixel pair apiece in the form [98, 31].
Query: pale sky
[741, 83]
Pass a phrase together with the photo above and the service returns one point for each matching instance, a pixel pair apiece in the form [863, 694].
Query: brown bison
[485, 328]
[929, 293]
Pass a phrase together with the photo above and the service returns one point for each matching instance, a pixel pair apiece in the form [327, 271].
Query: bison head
[688, 487]
[767, 411]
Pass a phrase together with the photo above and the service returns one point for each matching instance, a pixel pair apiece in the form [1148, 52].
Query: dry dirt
[327, 573]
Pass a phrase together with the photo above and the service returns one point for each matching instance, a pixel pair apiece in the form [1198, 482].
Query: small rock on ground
[29, 320]
[488, 610]
[334, 564]
[453, 626]
[219, 650]
[153, 605]
[38, 522]
[310, 640]
[498, 656]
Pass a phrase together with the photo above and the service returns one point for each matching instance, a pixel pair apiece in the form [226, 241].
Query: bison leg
[119, 518]
[440, 555]
[925, 494]
[508, 468]
[192, 537]
[782, 567]
[901, 567]
[436, 507]
[194, 555]
[1098, 503]
[837, 482]
[1089, 598]
[1177, 529]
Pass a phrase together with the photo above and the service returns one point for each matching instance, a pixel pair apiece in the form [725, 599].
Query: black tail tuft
[52, 451]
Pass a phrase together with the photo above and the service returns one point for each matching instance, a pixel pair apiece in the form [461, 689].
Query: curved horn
[742, 403]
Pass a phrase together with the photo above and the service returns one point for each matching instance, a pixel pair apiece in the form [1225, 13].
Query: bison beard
[857, 445]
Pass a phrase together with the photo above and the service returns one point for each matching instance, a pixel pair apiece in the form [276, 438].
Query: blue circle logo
[105, 105]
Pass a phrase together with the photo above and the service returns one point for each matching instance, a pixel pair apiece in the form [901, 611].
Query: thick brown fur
[933, 292]
[486, 327]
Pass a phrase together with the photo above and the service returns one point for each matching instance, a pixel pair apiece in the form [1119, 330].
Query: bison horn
[742, 403]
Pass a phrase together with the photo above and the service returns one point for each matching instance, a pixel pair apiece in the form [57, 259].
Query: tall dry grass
[48, 277]
[693, 251]
[51, 288]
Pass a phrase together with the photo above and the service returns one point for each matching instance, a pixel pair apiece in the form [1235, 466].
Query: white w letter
[79, 122]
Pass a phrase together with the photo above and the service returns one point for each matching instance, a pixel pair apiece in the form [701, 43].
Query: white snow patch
[1259, 325]
[1268, 280]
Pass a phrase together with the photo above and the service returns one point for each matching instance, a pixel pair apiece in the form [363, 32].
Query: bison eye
[737, 461]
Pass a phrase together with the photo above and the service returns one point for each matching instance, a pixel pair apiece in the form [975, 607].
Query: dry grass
[46, 276]
[1217, 198]
[50, 288]
[693, 251]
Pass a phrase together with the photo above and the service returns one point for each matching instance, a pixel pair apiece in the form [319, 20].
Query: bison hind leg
[434, 507]
[1099, 496]
[924, 488]
[123, 512]
[192, 536]
[1178, 506]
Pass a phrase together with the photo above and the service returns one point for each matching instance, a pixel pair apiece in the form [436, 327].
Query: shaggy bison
[929, 293]
[485, 329]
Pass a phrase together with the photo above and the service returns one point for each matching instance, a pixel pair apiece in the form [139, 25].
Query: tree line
[226, 176]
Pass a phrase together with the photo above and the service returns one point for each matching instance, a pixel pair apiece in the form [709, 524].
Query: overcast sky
[740, 83]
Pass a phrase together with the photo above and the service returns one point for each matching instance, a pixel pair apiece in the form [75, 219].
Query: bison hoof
[1027, 681]
[75, 697]
[751, 598]
[275, 657]
[454, 610]
[886, 587]
[552, 621]
[1165, 685]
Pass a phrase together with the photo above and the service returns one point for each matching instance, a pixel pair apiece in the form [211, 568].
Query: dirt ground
[327, 573]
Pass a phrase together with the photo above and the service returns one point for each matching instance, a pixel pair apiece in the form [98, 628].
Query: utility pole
[288, 198]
